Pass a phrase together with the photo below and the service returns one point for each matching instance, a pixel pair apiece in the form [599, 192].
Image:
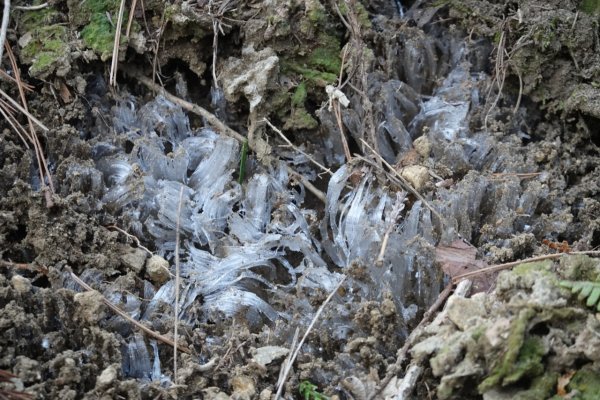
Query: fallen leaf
[459, 258]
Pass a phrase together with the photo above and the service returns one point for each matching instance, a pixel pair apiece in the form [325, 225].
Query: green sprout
[243, 158]
[309, 391]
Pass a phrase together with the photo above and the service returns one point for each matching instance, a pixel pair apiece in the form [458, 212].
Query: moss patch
[506, 371]
[99, 35]
[98, 32]
[590, 6]
[45, 47]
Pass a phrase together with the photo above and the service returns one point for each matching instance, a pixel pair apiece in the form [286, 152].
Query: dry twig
[31, 8]
[130, 19]
[511, 264]
[130, 236]
[285, 139]
[137, 324]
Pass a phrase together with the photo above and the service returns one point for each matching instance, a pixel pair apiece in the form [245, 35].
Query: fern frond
[585, 290]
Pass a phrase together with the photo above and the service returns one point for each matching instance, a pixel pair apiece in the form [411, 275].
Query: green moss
[313, 76]
[299, 96]
[514, 343]
[529, 362]
[539, 266]
[99, 35]
[580, 268]
[300, 119]
[326, 55]
[541, 387]
[590, 7]
[48, 44]
[478, 333]
[30, 20]
[586, 382]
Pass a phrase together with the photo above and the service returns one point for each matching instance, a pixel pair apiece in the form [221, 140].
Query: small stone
[107, 377]
[265, 355]
[134, 258]
[157, 269]
[388, 308]
[464, 312]
[21, 284]
[416, 175]
[422, 145]
[266, 394]
[243, 388]
[90, 306]
[214, 393]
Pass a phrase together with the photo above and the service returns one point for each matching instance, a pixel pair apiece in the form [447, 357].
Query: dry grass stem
[500, 267]
[23, 110]
[177, 284]
[31, 8]
[130, 19]
[217, 24]
[285, 139]
[217, 125]
[137, 324]
[296, 351]
[7, 77]
[130, 236]
[117, 43]
[47, 189]
[395, 214]
[4, 27]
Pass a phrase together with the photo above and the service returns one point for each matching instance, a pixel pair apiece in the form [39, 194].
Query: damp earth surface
[251, 162]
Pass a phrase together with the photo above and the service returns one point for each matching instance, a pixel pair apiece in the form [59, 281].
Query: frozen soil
[61, 342]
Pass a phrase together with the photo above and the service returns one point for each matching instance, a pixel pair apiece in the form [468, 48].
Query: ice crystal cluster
[246, 248]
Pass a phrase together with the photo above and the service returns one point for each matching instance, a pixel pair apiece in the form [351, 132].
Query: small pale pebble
[107, 377]
[416, 175]
[422, 145]
[21, 284]
[157, 269]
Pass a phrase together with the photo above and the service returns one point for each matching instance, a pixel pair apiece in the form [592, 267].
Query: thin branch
[123, 314]
[18, 128]
[130, 236]
[511, 264]
[285, 139]
[394, 215]
[288, 366]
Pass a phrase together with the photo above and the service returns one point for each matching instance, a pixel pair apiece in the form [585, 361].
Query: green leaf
[593, 298]
[585, 290]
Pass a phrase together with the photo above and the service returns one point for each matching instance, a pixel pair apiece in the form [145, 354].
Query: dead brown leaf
[459, 258]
